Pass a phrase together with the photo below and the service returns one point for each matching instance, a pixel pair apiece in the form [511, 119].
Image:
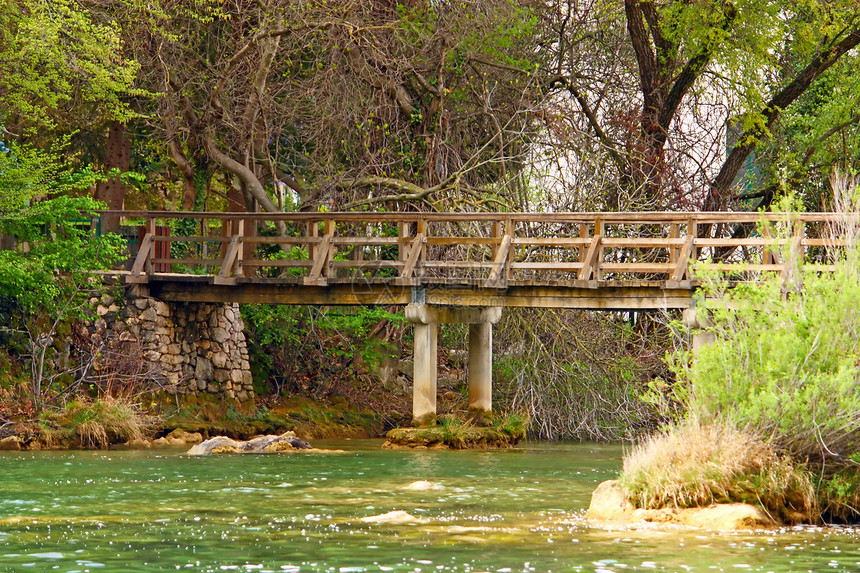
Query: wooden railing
[491, 249]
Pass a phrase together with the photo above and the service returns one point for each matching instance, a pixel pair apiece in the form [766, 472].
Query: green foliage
[56, 57]
[60, 253]
[287, 342]
[49, 273]
[779, 382]
[783, 365]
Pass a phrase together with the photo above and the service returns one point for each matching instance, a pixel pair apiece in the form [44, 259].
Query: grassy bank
[771, 406]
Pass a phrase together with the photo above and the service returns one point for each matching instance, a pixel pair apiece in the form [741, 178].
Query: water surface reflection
[518, 510]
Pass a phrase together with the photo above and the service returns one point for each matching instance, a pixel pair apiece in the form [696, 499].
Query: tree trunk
[112, 191]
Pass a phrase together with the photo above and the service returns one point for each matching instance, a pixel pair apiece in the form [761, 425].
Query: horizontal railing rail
[491, 249]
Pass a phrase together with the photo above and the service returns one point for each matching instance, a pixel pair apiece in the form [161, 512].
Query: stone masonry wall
[197, 347]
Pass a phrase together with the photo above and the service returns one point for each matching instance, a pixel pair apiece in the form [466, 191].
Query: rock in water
[609, 504]
[423, 485]
[398, 516]
[262, 444]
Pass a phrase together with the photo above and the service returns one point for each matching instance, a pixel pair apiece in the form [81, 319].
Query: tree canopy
[501, 104]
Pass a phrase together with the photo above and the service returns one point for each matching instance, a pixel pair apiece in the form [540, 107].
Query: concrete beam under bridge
[598, 295]
[425, 319]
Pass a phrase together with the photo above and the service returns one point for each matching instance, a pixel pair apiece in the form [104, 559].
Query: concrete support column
[697, 320]
[481, 368]
[425, 319]
[424, 374]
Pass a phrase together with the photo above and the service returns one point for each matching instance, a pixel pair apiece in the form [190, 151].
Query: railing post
[332, 248]
[509, 231]
[142, 266]
[674, 233]
[500, 270]
[231, 265]
[598, 231]
[323, 252]
[591, 261]
[151, 231]
[767, 257]
[240, 254]
[583, 234]
[421, 229]
[693, 231]
[311, 232]
[791, 275]
[402, 241]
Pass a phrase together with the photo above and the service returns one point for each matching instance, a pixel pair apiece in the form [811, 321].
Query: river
[502, 511]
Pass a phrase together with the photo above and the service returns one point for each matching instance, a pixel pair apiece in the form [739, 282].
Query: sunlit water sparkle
[507, 511]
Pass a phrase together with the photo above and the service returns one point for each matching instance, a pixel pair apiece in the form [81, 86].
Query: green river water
[502, 511]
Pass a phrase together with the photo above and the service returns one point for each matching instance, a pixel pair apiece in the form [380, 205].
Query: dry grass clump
[697, 465]
[104, 421]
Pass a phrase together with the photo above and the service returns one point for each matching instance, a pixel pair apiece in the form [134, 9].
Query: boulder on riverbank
[286, 442]
[609, 504]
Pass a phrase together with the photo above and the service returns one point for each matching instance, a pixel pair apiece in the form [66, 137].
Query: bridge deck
[564, 260]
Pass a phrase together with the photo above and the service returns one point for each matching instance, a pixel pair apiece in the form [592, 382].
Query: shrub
[772, 404]
[577, 374]
[784, 367]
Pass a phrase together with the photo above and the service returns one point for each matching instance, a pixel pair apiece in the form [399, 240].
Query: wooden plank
[278, 263]
[283, 240]
[141, 261]
[610, 217]
[739, 242]
[832, 243]
[815, 268]
[457, 265]
[232, 259]
[194, 239]
[638, 267]
[683, 261]
[590, 258]
[415, 251]
[379, 264]
[739, 267]
[498, 278]
[645, 242]
[447, 241]
[189, 261]
[321, 251]
[571, 242]
[366, 241]
[548, 266]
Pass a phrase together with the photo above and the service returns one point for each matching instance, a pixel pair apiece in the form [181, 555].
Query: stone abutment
[190, 347]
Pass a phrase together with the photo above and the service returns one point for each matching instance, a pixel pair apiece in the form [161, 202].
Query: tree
[61, 68]
[355, 103]
[49, 274]
[655, 101]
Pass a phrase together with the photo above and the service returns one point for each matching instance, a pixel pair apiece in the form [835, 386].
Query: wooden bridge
[605, 261]
[466, 267]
